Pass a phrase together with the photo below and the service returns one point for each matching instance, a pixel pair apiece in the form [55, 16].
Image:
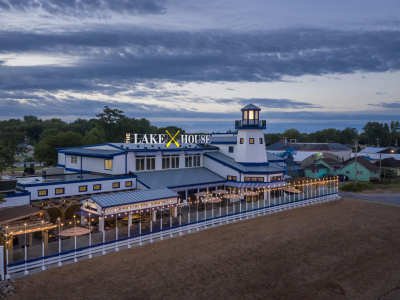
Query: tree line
[373, 134]
[46, 136]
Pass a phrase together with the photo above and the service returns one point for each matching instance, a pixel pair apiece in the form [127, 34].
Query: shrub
[351, 187]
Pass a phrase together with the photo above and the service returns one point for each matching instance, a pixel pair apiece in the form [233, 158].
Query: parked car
[327, 176]
[342, 177]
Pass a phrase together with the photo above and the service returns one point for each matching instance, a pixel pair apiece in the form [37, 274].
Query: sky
[307, 64]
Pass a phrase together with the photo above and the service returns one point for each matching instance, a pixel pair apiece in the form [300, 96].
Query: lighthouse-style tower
[250, 149]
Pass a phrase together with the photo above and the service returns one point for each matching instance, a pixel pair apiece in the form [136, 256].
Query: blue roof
[91, 152]
[274, 158]
[251, 106]
[230, 162]
[178, 177]
[110, 200]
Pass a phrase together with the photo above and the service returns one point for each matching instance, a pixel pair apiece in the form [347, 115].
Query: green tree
[95, 136]
[291, 134]
[348, 135]
[7, 152]
[46, 149]
[48, 132]
[2, 200]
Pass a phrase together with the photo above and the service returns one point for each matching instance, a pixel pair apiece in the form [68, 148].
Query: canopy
[292, 190]
[202, 194]
[250, 193]
[212, 200]
[75, 231]
[219, 191]
[233, 196]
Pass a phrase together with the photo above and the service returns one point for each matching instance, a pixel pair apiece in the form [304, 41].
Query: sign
[167, 139]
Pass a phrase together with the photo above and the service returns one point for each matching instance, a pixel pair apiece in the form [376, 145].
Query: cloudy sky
[308, 64]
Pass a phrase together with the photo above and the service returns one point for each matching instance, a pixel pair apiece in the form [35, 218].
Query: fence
[62, 251]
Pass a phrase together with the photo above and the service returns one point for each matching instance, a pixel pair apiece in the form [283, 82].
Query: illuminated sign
[167, 139]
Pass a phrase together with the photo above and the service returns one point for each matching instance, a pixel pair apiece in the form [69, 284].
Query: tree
[46, 149]
[291, 134]
[95, 136]
[348, 135]
[7, 152]
[2, 200]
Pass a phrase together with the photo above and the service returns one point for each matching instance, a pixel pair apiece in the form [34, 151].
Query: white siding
[15, 201]
[219, 169]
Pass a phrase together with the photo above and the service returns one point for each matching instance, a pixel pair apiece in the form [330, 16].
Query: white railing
[100, 249]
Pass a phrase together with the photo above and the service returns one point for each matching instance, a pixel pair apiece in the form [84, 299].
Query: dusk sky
[309, 65]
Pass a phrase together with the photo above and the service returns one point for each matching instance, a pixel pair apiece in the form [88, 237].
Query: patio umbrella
[219, 192]
[292, 190]
[202, 194]
[75, 231]
[213, 200]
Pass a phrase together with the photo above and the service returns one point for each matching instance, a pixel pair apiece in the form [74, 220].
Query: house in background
[366, 171]
[316, 171]
[379, 153]
[25, 150]
[389, 164]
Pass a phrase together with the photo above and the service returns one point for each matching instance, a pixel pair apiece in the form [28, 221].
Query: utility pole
[396, 144]
[380, 168]
[355, 156]
[377, 142]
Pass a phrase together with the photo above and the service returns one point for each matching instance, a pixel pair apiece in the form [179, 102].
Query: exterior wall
[220, 169]
[95, 164]
[250, 153]
[61, 159]
[352, 172]
[16, 200]
[330, 169]
[71, 189]
[224, 149]
[321, 172]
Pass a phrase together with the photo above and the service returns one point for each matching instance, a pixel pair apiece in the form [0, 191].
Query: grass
[22, 168]
[362, 186]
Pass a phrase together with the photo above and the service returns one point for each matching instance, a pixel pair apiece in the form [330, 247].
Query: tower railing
[251, 123]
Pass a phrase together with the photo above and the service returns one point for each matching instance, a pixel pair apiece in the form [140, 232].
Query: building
[390, 164]
[308, 153]
[170, 171]
[366, 171]
[380, 153]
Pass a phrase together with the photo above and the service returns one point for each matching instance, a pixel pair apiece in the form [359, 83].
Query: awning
[75, 231]
[292, 190]
[193, 152]
[171, 152]
[145, 153]
[256, 184]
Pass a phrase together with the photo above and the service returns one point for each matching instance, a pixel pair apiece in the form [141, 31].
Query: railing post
[8, 275]
[104, 240]
[161, 237]
[2, 266]
[151, 228]
[26, 258]
[59, 251]
[75, 260]
[180, 223]
[43, 267]
[170, 223]
[90, 245]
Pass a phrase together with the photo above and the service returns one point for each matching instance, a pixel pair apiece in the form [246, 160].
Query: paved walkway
[382, 198]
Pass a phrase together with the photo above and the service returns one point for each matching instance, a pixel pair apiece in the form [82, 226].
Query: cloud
[118, 57]
[381, 93]
[269, 103]
[395, 104]
[85, 8]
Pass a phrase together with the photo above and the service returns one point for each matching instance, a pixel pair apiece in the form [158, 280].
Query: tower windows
[230, 149]
[251, 141]
[241, 141]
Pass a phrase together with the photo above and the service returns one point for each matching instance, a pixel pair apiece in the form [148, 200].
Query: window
[165, 162]
[254, 179]
[74, 159]
[275, 178]
[251, 114]
[360, 173]
[234, 178]
[140, 164]
[83, 188]
[108, 164]
[251, 141]
[115, 185]
[96, 187]
[256, 114]
[241, 141]
[260, 179]
[59, 191]
[261, 141]
[42, 192]
[174, 162]
[245, 115]
[230, 149]
[150, 163]
[315, 171]
[192, 161]
[128, 183]
[347, 172]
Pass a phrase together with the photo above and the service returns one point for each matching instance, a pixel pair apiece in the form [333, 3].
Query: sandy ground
[382, 191]
[346, 249]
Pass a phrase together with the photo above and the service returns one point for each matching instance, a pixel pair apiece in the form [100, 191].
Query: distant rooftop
[250, 106]
[281, 146]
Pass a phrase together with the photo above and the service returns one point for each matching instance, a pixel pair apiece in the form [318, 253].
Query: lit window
[261, 141]
[247, 178]
[74, 159]
[97, 187]
[256, 114]
[83, 188]
[251, 114]
[42, 193]
[229, 177]
[253, 178]
[234, 178]
[241, 141]
[245, 115]
[115, 185]
[108, 164]
[230, 149]
[275, 178]
[128, 183]
[260, 179]
[251, 141]
[59, 191]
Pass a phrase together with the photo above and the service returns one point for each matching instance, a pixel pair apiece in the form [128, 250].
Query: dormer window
[250, 115]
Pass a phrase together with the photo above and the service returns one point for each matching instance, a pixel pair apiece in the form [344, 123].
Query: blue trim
[17, 195]
[224, 133]
[60, 165]
[224, 143]
[142, 183]
[263, 128]
[92, 155]
[55, 191]
[76, 170]
[119, 185]
[254, 164]
[82, 191]
[97, 189]
[88, 146]
[47, 193]
[76, 181]
[239, 170]
[201, 183]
